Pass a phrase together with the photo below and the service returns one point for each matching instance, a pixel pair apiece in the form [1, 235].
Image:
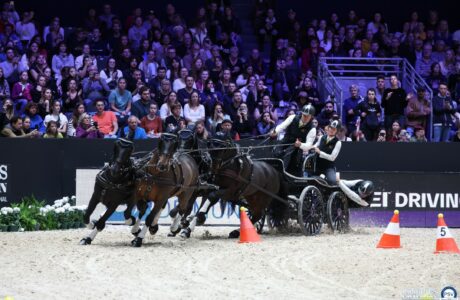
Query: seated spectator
[404, 136]
[133, 131]
[443, 109]
[26, 127]
[155, 83]
[111, 74]
[21, 93]
[248, 91]
[120, 100]
[141, 107]
[52, 131]
[226, 127]
[244, 123]
[14, 129]
[85, 130]
[57, 116]
[419, 136]
[382, 135]
[86, 52]
[193, 110]
[181, 82]
[394, 133]
[135, 80]
[74, 119]
[266, 124]
[184, 94]
[10, 66]
[4, 87]
[448, 63]
[62, 59]
[36, 121]
[69, 74]
[38, 67]
[209, 97]
[435, 77]
[312, 94]
[152, 123]
[454, 83]
[149, 66]
[72, 98]
[94, 88]
[45, 102]
[418, 110]
[284, 82]
[394, 101]
[172, 121]
[456, 136]
[166, 108]
[369, 111]
[216, 118]
[83, 70]
[423, 64]
[106, 121]
[326, 115]
[342, 134]
[201, 134]
[266, 107]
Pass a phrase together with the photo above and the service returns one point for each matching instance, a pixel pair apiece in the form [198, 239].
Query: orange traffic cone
[391, 238]
[248, 233]
[445, 243]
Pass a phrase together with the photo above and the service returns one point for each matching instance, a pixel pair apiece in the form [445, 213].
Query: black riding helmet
[335, 124]
[308, 110]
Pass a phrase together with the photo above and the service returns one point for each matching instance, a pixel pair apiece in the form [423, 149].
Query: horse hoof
[137, 242]
[153, 229]
[136, 233]
[200, 219]
[172, 234]
[185, 234]
[85, 241]
[234, 234]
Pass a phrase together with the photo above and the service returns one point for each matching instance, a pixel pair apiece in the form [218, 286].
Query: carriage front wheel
[310, 210]
[337, 212]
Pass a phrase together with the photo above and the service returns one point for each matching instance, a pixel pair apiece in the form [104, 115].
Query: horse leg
[93, 202]
[129, 218]
[151, 219]
[200, 215]
[142, 207]
[99, 225]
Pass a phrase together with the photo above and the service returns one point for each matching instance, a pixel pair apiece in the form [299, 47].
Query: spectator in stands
[369, 110]
[10, 66]
[86, 130]
[172, 121]
[216, 118]
[233, 107]
[325, 116]
[454, 83]
[283, 82]
[184, 94]
[45, 102]
[193, 110]
[266, 124]
[75, 119]
[418, 110]
[152, 123]
[21, 93]
[36, 121]
[244, 123]
[435, 77]
[106, 120]
[227, 128]
[394, 134]
[456, 136]
[149, 66]
[86, 52]
[57, 116]
[94, 88]
[448, 63]
[423, 65]
[443, 109]
[419, 136]
[8, 110]
[133, 131]
[266, 106]
[137, 33]
[349, 108]
[311, 55]
[62, 59]
[394, 102]
[38, 67]
[14, 129]
[141, 107]
[72, 98]
[166, 108]
[4, 87]
[111, 74]
[312, 94]
[120, 100]
[52, 131]
[26, 28]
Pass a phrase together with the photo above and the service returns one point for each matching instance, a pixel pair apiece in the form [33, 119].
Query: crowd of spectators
[148, 73]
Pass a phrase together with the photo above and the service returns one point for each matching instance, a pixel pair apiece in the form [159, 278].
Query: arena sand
[51, 265]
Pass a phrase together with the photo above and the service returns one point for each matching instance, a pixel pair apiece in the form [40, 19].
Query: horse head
[222, 149]
[185, 139]
[121, 157]
[167, 146]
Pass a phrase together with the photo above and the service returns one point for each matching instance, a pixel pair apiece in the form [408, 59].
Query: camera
[382, 134]
[96, 125]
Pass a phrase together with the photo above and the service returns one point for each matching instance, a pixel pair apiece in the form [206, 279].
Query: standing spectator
[87, 131]
[266, 124]
[193, 110]
[133, 131]
[349, 108]
[283, 82]
[10, 66]
[152, 123]
[394, 102]
[418, 110]
[369, 111]
[423, 65]
[141, 107]
[443, 109]
[21, 93]
[57, 116]
[106, 120]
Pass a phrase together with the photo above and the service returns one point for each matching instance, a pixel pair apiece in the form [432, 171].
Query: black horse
[168, 173]
[114, 186]
[242, 181]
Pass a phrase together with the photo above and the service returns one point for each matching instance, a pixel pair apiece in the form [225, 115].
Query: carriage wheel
[259, 225]
[310, 210]
[338, 215]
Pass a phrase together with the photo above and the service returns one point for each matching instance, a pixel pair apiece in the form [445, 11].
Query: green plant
[30, 210]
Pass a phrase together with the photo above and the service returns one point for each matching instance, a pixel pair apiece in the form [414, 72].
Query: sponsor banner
[4, 187]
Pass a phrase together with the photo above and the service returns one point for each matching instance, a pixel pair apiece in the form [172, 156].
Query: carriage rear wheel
[338, 215]
[310, 210]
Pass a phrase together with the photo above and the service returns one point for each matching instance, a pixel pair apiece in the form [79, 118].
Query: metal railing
[331, 68]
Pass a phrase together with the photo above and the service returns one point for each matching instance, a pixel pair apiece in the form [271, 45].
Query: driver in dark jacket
[299, 132]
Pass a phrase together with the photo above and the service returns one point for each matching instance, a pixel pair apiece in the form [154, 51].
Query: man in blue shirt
[349, 108]
[133, 131]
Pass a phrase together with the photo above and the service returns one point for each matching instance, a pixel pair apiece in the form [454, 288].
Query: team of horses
[185, 167]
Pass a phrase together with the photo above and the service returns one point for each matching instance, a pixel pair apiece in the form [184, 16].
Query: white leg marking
[93, 234]
[143, 232]
[136, 226]
[175, 222]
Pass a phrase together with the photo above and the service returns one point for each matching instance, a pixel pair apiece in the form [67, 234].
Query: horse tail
[278, 209]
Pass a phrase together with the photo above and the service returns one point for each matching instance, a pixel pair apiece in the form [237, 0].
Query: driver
[327, 148]
[300, 132]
